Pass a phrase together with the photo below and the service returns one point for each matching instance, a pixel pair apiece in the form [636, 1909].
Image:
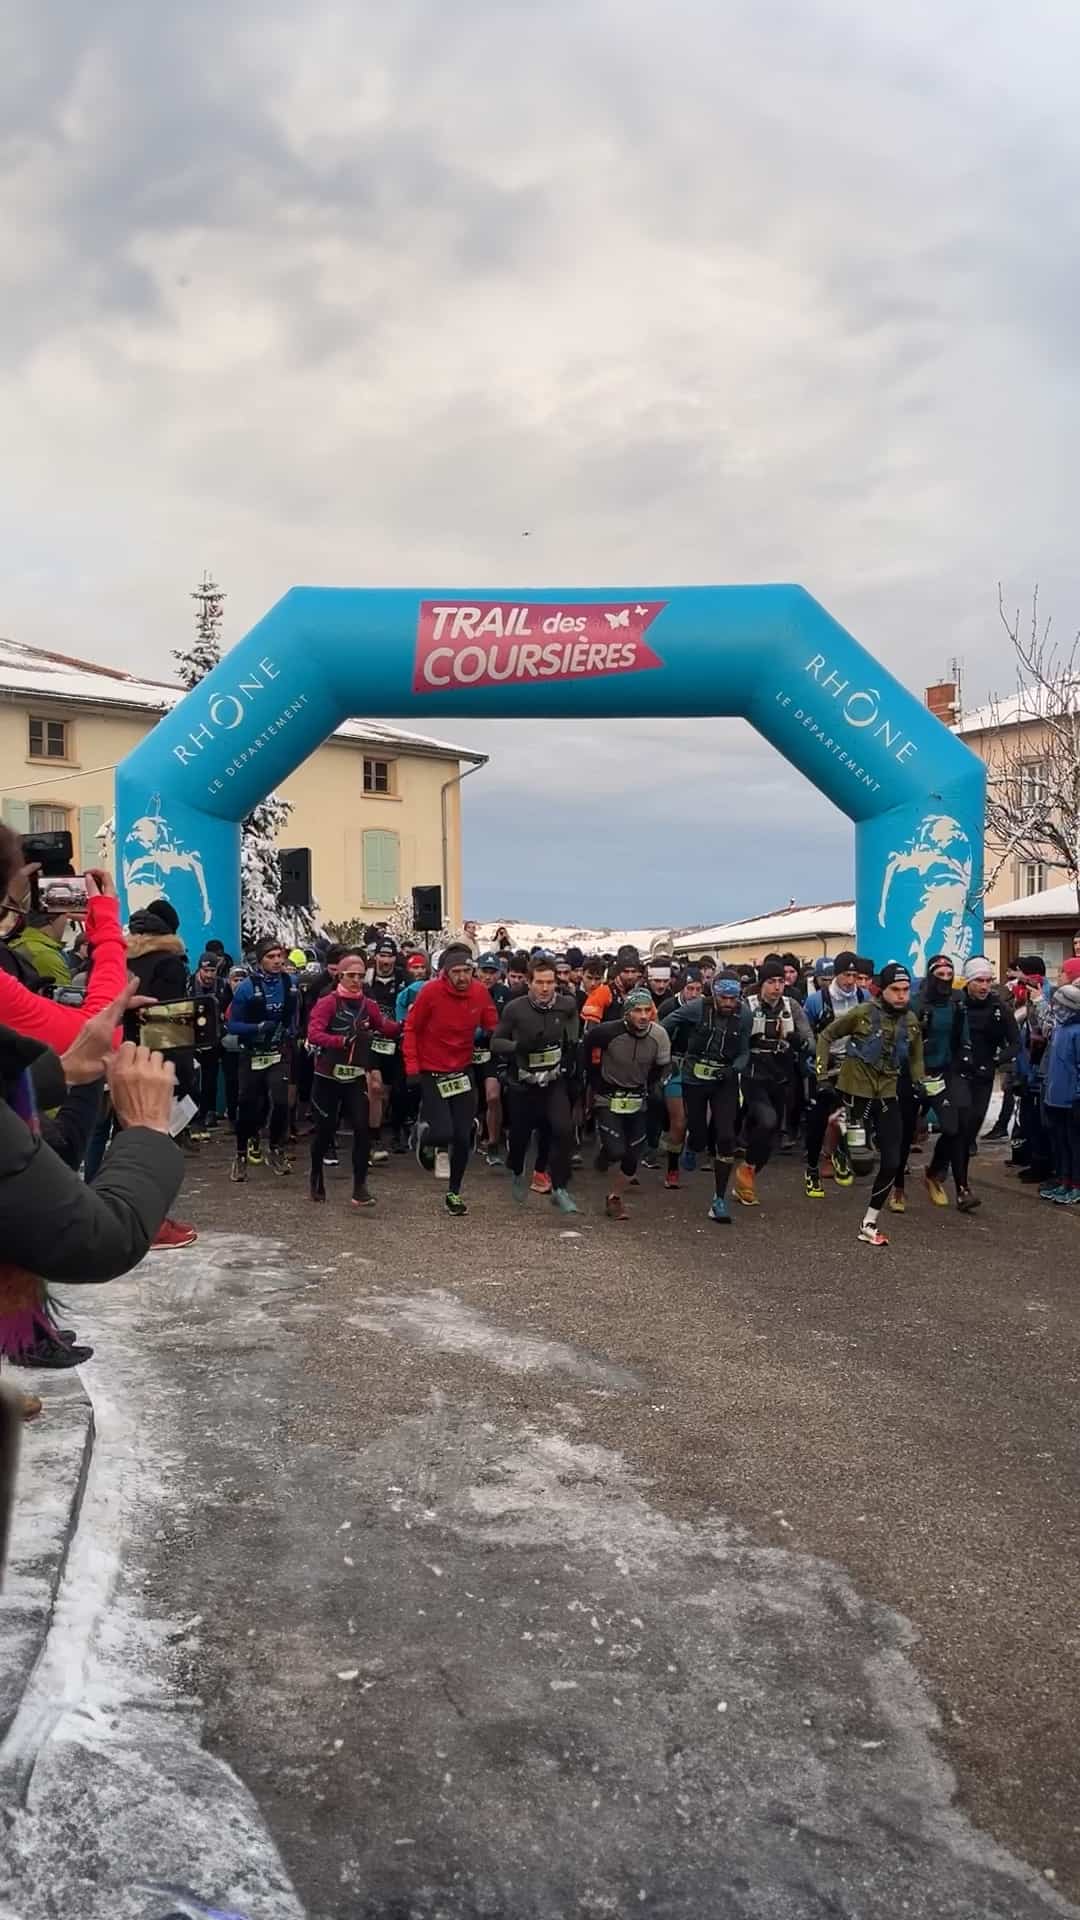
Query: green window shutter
[17, 815]
[382, 861]
[91, 820]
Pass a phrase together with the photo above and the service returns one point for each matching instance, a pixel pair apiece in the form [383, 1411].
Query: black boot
[47, 1352]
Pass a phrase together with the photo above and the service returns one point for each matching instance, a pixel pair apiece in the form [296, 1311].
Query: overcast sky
[696, 292]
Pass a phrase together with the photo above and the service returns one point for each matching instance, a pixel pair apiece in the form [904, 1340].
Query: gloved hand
[268, 1030]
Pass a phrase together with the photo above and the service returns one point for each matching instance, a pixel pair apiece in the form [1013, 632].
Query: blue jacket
[263, 1008]
[405, 999]
[1061, 1067]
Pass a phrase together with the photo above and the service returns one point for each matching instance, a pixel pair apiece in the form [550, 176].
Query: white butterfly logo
[618, 619]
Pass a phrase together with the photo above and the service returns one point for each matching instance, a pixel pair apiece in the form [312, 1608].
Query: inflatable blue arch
[771, 654]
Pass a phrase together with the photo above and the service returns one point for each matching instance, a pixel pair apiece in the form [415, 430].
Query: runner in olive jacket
[883, 1037]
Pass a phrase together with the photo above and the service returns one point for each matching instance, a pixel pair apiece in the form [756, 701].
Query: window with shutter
[382, 866]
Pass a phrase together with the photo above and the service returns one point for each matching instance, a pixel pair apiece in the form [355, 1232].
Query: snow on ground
[105, 1782]
[529, 933]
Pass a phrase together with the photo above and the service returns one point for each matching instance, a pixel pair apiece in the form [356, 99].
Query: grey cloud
[320, 294]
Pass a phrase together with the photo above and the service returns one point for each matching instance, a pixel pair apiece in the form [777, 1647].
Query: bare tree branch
[1033, 786]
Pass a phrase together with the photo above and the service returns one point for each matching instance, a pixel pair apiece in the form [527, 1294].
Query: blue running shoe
[719, 1211]
[519, 1188]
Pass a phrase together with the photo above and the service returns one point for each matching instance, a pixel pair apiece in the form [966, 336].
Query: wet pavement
[531, 1566]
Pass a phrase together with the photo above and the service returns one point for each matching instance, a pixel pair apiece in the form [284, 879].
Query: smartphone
[58, 893]
[172, 1025]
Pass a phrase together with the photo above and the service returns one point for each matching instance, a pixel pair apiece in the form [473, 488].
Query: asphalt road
[550, 1567]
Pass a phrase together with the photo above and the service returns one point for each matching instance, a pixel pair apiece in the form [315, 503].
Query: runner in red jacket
[438, 1045]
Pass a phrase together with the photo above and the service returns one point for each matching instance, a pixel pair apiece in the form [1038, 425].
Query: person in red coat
[40, 1019]
[439, 1042]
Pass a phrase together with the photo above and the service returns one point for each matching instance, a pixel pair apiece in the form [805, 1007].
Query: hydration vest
[772, 1027]
[869, 1047]
[716, 1037]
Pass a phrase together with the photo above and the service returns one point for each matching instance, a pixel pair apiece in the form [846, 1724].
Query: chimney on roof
[943, 703]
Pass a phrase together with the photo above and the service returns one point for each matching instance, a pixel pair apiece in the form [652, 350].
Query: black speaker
[427, 909]
[295, 876]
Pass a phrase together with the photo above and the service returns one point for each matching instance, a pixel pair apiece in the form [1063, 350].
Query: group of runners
[638, 1065]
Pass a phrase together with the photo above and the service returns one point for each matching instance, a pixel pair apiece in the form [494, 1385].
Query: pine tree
[261, 912]
[196, 661]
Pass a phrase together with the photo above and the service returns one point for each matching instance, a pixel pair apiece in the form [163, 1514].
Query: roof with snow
[1053, 903]
[786, 923]
[59, 676]
[1014, 709]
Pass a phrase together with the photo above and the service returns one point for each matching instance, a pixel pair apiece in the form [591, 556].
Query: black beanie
[770, 970]
[893, 972]
[164, 910]
[574, 956]
[1032, 963]
[847, 962]
[266, 945]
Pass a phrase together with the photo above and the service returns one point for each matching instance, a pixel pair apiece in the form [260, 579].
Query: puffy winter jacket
[1061, 1067]
[51, 1222]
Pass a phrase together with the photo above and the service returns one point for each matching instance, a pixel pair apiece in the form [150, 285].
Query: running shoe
[843, 1171]
[238, 1170]
[442, 1165]
[671, 1180]
[330, 1159]
[174, 1233]
[872, 1237]
[279, 1161]
[379, 1156]
[493, 1158]
[614, 1208]
[362, 1197]
[255, 1154]
[519, 1189]
[897, 1201]
[966, 1201]
[935, 1190]
[649, 1162]
[425, 1154]
[540, 1183]
[814, 1188]
[719, 1211]
[744, 1186]
[564, 1200]
[1050, 1190]
[455, 1205]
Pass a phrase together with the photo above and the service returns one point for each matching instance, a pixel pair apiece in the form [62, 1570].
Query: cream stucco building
[379, 808]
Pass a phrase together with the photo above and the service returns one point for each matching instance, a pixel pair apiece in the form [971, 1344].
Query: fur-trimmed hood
[139, 945]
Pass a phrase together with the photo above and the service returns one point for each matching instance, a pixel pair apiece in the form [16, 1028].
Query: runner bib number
[450, 1084]
[384, 1046]
[626, 1103]
[706, 1070]
[481, 1056]
[934, 1086]
[260, 1061]
[348, 1073]
[547, 1057]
